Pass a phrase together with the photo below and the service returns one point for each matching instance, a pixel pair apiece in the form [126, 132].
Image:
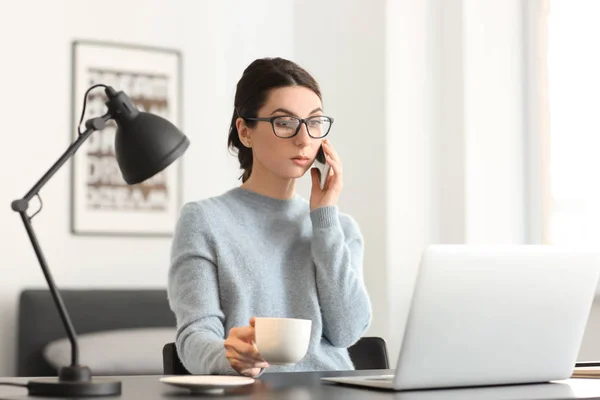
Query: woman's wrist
[324, 217]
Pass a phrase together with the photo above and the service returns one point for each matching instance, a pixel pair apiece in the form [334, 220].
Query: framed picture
[102, 203]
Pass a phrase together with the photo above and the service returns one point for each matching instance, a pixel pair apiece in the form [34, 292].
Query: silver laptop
[491, 316]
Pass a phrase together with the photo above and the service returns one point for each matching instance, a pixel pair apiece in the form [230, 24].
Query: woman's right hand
[242, 353]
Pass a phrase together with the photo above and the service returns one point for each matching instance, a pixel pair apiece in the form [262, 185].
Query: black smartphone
[321, 165]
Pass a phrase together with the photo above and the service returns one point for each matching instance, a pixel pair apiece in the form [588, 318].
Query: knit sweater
[242, 254]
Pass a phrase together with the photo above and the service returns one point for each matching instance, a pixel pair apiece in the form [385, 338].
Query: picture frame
[102, 203]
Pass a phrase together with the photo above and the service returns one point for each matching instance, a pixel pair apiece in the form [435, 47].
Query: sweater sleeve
[337, 251]
[194, 296]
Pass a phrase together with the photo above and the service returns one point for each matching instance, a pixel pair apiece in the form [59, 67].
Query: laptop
[492, 315]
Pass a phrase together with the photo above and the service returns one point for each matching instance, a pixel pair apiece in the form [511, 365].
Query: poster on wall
[102, 203]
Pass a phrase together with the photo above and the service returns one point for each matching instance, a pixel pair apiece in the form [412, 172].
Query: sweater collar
[263, 201]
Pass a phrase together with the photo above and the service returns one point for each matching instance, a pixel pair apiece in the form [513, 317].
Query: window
[574, 106]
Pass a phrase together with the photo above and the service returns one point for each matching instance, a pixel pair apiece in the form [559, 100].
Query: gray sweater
[243, 254]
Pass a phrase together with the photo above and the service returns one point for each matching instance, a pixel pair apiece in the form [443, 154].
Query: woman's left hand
[333, 186]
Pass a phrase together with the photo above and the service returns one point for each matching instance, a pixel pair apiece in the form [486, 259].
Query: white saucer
[204, 383]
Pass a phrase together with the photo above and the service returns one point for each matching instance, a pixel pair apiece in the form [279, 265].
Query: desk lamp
[145, 144]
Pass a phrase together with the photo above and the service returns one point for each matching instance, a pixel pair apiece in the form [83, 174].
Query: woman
[260, 250]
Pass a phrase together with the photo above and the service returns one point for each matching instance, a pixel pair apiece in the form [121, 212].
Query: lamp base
[53, 387]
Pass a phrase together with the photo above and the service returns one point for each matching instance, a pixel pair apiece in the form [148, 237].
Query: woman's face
[285, 158]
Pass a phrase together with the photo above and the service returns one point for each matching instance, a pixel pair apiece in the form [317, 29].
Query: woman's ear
[243, 132]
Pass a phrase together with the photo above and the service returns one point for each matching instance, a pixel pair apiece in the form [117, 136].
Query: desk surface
[307, 385]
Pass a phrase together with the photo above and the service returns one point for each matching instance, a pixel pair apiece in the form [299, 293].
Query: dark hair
[251, 94]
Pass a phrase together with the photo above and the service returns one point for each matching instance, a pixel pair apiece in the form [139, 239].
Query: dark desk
[307, 385]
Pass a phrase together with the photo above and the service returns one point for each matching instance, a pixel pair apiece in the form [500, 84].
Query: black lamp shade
[146, 145]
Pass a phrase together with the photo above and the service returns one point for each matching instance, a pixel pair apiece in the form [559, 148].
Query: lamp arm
[94, 124]
[21, 207]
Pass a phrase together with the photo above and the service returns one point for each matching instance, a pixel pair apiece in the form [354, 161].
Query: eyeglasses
[287, 126]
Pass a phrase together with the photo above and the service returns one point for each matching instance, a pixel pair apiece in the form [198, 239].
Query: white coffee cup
[282, 341]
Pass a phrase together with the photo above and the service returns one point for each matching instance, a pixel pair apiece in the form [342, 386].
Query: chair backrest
[367, 353]
[171, 363]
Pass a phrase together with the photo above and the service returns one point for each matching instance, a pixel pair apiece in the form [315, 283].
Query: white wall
[494, 93]
[452, 146]
[412, 93]
[218, 39]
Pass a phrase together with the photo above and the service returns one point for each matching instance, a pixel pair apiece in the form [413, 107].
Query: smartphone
[321, 165]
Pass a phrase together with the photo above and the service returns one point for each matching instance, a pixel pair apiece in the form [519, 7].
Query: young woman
[260, 250]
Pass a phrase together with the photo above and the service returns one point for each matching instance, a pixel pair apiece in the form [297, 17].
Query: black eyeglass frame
[302, 121]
